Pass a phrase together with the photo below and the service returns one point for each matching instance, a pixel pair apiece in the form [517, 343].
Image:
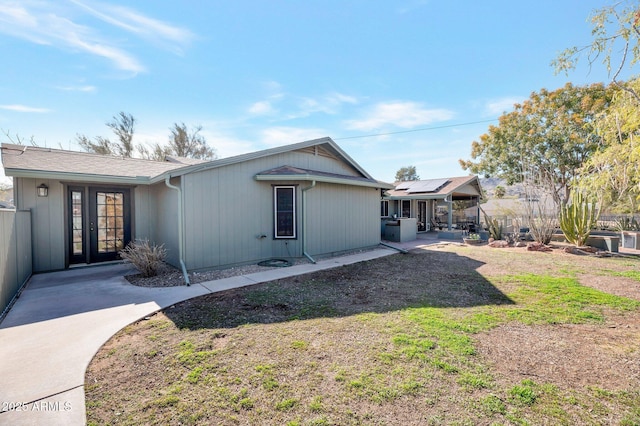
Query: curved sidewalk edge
[63, 318]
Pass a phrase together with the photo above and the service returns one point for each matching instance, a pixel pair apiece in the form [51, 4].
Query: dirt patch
[389, 341]
[568, 355]
[620, 286]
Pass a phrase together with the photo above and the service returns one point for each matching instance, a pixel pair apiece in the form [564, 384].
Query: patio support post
[450, 212]
[180, 230]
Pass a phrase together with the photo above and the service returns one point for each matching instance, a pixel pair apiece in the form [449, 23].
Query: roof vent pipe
[180, 236]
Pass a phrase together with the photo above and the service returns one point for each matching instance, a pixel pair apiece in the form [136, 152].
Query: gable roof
[327, 144]
[23, 161]
[295, 173]
[435, 188]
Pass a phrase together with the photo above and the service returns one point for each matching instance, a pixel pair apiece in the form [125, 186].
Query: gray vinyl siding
[341, 217]
[225, 217]
[227, 210]
[47, 221]
[143, 214]
[163, 219]
[228, 215]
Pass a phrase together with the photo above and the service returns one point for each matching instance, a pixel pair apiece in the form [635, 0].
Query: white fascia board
[415, 197]
[325, 179]
[77, 177]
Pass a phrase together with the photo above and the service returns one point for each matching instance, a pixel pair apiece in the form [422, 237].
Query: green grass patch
[286, 404]
[526, 393]
[634, 275]
[352, 345]
[491, 404]
[316, 405]
[299, 344]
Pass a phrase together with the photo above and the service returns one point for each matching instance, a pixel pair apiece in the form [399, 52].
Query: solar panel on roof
[405, 185]
[431, 185]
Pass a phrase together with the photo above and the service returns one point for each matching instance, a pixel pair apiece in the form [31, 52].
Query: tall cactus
[578, 219]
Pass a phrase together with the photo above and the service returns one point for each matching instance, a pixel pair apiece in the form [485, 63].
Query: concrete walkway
[62, 318]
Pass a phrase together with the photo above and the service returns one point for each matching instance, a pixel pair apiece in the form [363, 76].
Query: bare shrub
[540, 214]
[145, 256]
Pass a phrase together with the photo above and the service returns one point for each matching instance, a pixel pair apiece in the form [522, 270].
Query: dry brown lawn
[445, 335]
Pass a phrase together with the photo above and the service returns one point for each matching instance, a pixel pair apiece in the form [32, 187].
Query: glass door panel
[76, 206]
[110, 227]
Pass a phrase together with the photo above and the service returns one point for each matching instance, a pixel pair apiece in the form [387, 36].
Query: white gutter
[304, 221]
[180, 226]
[326, 179]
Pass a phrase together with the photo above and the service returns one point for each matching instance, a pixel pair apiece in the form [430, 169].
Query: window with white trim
[384, 208]
[284, 206]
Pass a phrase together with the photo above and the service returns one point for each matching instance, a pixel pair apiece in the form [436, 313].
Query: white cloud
[293, 107]
[278, 136]
[403, 114]
[41, 23]
[261, 108]
[24, 108]
[497, 107]
[52, 24]
[272, 86]
[143, 26]
[86, 89]
[327, 104]
[340, 98]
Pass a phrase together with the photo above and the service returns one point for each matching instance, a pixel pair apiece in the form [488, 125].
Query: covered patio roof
[455, 188]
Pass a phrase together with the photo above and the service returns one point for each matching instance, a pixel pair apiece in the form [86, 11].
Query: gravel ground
[171, 277]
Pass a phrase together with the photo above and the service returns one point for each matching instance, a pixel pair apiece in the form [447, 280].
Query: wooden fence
[15, 255]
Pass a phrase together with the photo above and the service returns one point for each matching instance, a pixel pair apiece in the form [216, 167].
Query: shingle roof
[18, 158]
[290, 172]
[50, 163]
[451, 186]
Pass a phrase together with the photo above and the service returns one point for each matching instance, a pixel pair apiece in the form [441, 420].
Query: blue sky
[257, 74]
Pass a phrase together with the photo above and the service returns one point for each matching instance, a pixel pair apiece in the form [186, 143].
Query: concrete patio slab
[63, 318]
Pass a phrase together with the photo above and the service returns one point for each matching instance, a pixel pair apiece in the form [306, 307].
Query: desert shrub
[493, 225]
[542, 228]
[145, 256]
[578, 218]
[627, 224]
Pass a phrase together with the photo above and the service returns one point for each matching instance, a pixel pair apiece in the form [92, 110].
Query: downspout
[304, 221]
[401, 250]
[180, 226]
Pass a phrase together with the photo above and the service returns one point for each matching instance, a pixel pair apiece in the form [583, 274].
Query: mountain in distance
[489, 186]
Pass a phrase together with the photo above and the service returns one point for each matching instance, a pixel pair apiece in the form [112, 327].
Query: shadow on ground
[420, 278]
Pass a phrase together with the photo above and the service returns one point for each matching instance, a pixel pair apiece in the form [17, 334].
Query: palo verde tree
[123, 125]
[545, 140]
[616, 38]
[192, 144]
[613, 172]
[182, 143]
[406, 174]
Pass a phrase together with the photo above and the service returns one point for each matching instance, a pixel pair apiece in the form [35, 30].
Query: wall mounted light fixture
[43, 190]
